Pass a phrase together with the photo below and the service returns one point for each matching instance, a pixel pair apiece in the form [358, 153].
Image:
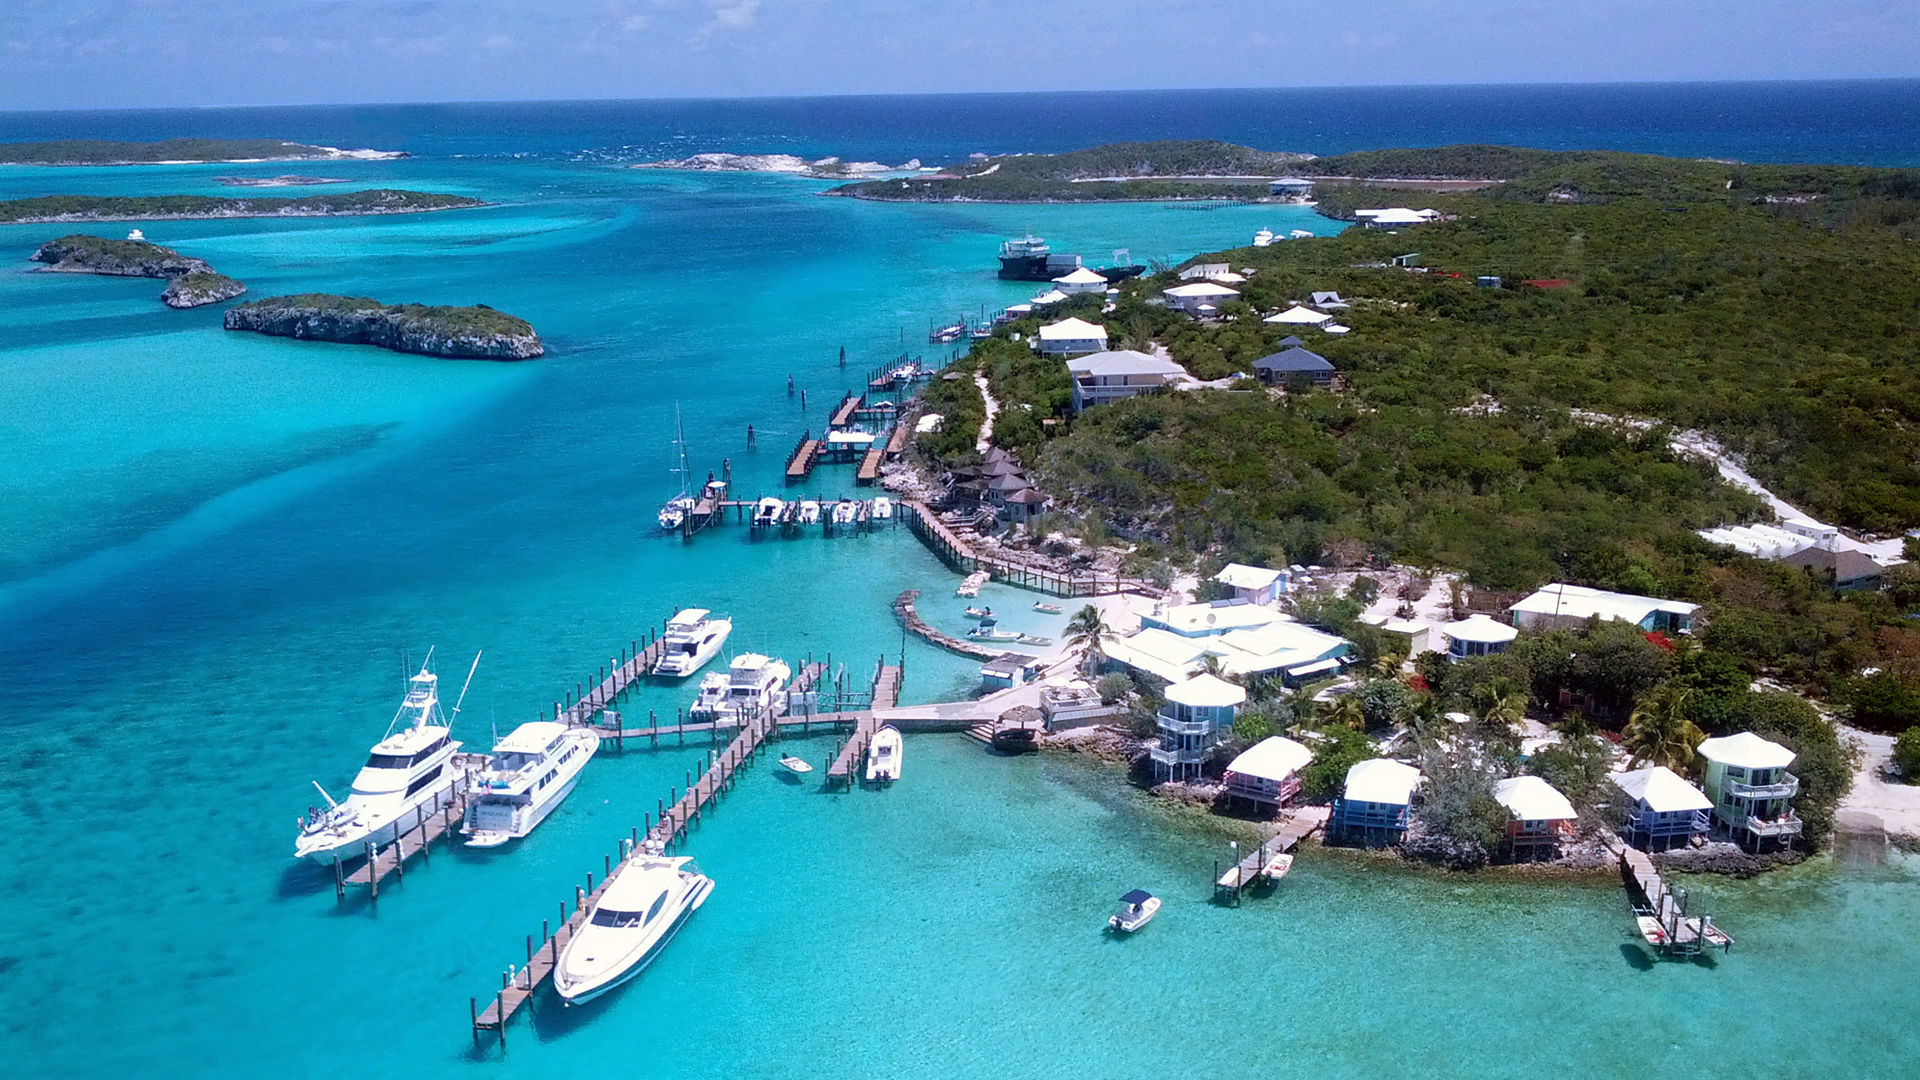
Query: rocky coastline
[477, 333]
[190, 281]
[200, 289]
[827, 168]
[278, 181]
[66, 209]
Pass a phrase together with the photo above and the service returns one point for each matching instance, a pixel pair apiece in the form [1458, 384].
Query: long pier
[1660, 910]
[1301, 823]
[904, 608]
[960, 555]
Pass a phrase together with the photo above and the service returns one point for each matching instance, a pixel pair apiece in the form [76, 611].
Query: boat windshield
[627, 920]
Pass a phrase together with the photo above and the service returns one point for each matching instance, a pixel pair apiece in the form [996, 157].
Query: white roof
[1051, 296]
[1204, 691]
[1529, 798]
[1335, 328]
[1241, 576]
[1072, 330]
[1662, 789]
[1379, 780]
[1298, 315]
[531, 737]
[850, 436]
[1480, 628]
[1580, 602]
[1216, 617]
[1283, 645]
[929, 422]
[1082, 276]
[1122, 362]
[1200, 290]
[1764, 541]
[689, 616]
[1747, 751]
[1272, 758]
[1398, 215]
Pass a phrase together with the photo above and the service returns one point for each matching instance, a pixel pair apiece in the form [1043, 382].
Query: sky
[152, 53]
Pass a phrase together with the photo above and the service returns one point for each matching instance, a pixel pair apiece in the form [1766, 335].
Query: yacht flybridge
[407, 775]
[691, 638]
[645, 902]
[532, 770]
[751, 687]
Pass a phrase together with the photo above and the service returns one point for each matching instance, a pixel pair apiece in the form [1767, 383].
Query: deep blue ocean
[216, 549]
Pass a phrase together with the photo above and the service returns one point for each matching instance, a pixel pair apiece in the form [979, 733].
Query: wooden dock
[427, 828]
[903, 607]
[1300, 823]
[1660, 911]
[886, 694]
[629, 667]
[844, 412]
[805, 455]
[897, 441]
[961, 556]
[870, 466]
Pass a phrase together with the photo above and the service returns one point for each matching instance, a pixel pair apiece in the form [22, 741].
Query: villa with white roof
[1667, 811]
[1247, 638]
[1080, 281]
[1199, 710]
[1539, 818]
[1376, 804]
[1267, 774]
[1477, 635]
[1568, 607]
[1070, 336]
[1254, 584]
[1751, 789]
[1121, 373]
[1199, 298]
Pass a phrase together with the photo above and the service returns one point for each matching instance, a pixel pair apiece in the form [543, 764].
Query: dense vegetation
[103, 152]
[474, 320]
[145, 207]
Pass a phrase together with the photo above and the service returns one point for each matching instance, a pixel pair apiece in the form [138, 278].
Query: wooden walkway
[630, 667]
[1673, 932]
[903, 607]
[417, 840]
[959, 554]
[886, 694]
[801, 464]
[869, 466]
[1300, 823]
[843, 413]
[898, 440]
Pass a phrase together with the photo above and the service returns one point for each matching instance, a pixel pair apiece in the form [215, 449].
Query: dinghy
[795, 764]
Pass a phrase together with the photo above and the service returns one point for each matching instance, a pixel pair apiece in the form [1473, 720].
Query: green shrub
[1906, 755]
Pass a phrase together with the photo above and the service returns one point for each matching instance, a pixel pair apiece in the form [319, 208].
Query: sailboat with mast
[407, 771]
[673, 514]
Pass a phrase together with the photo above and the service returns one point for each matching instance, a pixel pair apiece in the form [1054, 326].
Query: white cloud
[731, 15]
[497, 42]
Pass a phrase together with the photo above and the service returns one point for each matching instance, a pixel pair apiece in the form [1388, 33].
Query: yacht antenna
[331, 805]
[463, 688]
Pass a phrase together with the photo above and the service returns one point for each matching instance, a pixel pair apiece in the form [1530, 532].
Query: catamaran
[405, 777]
[752, 686]
[883, 756]
[691, 638]
[645, 902]
[532, 770]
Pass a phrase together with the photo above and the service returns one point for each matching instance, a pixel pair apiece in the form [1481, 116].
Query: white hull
[679, 663]
[601, 957]
[493, 819]
[524, 822]
[348, 844]
[883, 756]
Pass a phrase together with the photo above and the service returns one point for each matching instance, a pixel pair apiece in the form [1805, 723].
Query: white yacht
[408, 773]
[883, 755]
[752, 686]
[882, 508]
[1263, 238]
[692, 638]
[533, 768]
[644, 904]
[673, 513]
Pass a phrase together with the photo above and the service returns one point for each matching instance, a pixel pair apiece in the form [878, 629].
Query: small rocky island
[478, 332]
[827, 168]
[178, 151]
[61, 208]
[190, 281]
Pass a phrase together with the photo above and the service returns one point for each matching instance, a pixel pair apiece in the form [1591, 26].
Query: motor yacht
[691, 638]
[752, 686]
[533, 769]
[644, 904]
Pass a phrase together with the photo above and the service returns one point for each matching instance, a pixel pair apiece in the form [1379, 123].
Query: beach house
[1665, 811]
[1106, 376]
[1198, 710]
[1247, 639]
[1254, 584]
[1298, 316]
[1288, 365]
[1082, 280]
[1267, 774]
[1069, 337]
[1751, 790]
[1477, 635]
[1200, 298]
[1394, 217]
[1846, 571]
[1376, 802]
[1539, 818]
[1568, 607]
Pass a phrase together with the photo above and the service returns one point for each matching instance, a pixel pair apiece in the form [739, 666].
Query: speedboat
[882, 508]
[845, 511]
[645, 902]
[767, 511]
[1045, 608]
[989, 630]
[691, 638]
[1137, 909]
[809, 512]
[1263, 238]
[979, 613]
[533, 769]
[406, 777]
[795, 764]
[751, 687]
[883, 756]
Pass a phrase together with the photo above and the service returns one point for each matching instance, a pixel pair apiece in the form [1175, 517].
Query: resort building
[1254, 584]
[1539, 818]
[1295, 363]
[1394, 217]
[1376, 804]
[1290, 186]
[1568, 607]
[1197, 711]
[1477, 635]
[1248, 640]
[1082, 280]
[1267, 774]
[1298, 316]
[1200, 299]
[1069, 337]
[1666, 810]
[1751, 789]
[1121, 373]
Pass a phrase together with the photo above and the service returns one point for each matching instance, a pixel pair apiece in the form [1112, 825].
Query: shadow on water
[302, 879]
[1636, 956]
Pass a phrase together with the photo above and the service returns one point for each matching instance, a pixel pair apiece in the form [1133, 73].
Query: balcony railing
[1787, 788]
[1787, 825]
[1177, 755]
[1184, 727]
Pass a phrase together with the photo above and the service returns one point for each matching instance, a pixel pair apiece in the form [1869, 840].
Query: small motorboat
[986, 631]
[882, 508]
[883, 756]
[767, 511]
[1033, 639]
[979, 613]
[845, 511]
[1015, 740]
[1137, 909]
[809, 512]
[1045, 608]
[1276, 868]
[795, 764]
[1651, 929]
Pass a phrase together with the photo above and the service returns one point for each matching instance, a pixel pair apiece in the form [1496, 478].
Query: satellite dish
[1211, 618]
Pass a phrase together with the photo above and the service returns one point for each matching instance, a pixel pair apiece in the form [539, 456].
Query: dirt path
[993, 409]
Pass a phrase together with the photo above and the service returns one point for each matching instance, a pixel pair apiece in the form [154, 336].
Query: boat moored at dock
[883, 756]
[752, 686]
[533, 769]
[645, 902]
[691, 638]
[768, 510]
[882, 508]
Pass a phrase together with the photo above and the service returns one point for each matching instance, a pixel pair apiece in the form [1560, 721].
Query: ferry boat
[1137, 909]
[533, 769]
[645, 902]
[406, 774]
[691, 638]
[767, 511]
[883, 756]
[882, 508]
[750, 687]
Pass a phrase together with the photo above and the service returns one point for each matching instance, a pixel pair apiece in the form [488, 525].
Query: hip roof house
[1560, 606]
[1376, 803]
[1294, 363]
[1122, 373]
[1070, 336]
[1539, 818]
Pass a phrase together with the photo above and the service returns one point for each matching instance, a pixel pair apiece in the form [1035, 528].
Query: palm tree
[1086, 632]
[1500, 704]
[1659, 730]
[1211, 664]
[1345, 711]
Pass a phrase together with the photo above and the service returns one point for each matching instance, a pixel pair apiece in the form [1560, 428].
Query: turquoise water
[216, 548]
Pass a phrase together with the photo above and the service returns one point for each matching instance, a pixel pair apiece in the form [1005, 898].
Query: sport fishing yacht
[533, 768]
[692, 638]
[407, 775]
[645, 902]
[751, 687]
